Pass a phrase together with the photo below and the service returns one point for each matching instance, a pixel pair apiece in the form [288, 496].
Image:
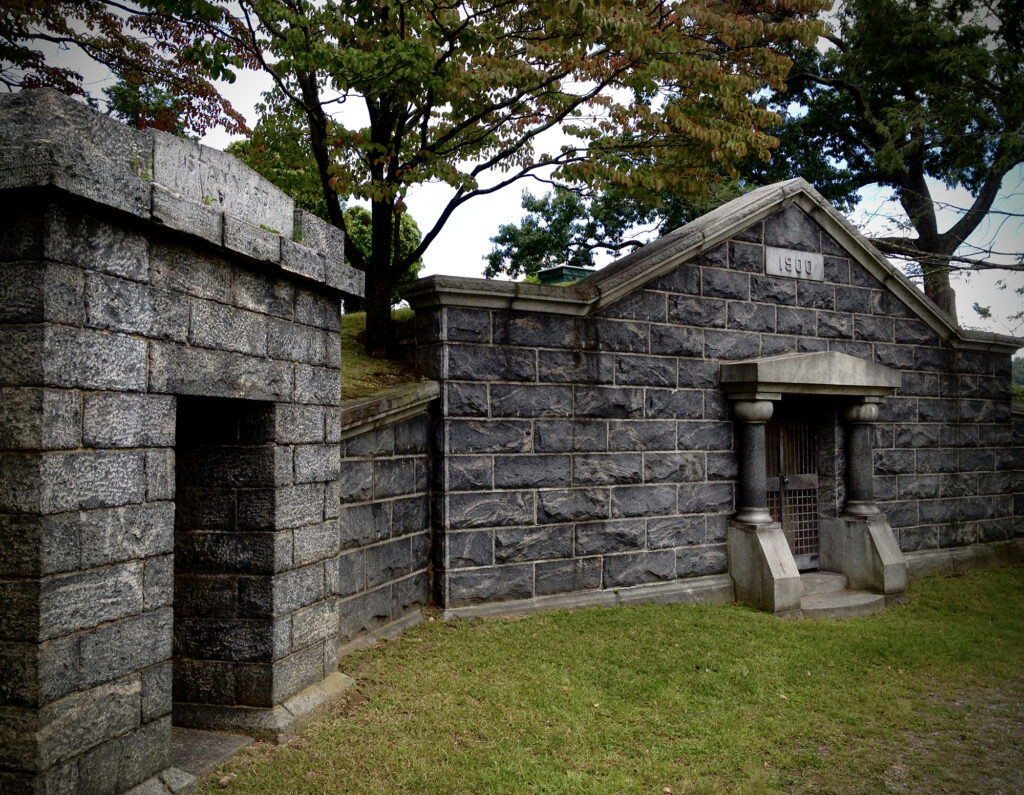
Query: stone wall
[589, 447]
[383, 569]
[161, 321]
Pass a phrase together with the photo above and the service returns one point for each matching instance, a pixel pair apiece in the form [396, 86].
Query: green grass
[361, 374]
[692, 698]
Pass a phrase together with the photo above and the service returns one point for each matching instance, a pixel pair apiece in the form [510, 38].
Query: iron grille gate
[791, 447]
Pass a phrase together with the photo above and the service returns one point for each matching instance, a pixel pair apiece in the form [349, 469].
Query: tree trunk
[380, 339]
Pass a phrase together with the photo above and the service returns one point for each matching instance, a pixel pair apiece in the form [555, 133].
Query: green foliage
[909, 89]
[649, 95]
[1018, 370]
[565, 228]
[358, 226]
[164, 53]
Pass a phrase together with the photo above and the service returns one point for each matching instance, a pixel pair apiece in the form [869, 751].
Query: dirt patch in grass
[978, 748]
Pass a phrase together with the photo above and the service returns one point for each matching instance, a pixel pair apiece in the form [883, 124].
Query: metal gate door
[791, 447]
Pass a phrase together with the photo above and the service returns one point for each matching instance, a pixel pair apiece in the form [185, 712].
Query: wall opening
[224, 554]
[805, 469]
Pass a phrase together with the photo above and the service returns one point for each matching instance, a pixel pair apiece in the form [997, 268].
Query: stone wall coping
[49, 140]
[817, 373]
[386, 407]
[659, 257]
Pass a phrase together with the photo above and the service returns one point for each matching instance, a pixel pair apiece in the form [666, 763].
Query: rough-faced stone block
[719, 283]
[638, 305]
[681, 403]
[490, 585]
[88, 242]
[179, 369]
[533, 329]
[654, 500]
[601, 401]
[487, 363]
[791, 227]
[681, 467]
[709, 498]
[600, 538]
[634, 435]
[752, 317]
[645, 370]
[118, 419]
[772, 290]
[558, 576]
[562, 505]
[556, 436]
[574, 367]
[515, 544]
[607, 469]
[637, 568]
[731, 344]
[704, 435]
[514, 400]
[532, 471]
[35, 292]
[701, 561]
[491, 509]
[465, 400]
[40, 419]
[479, 436]
[675, 531]
[468, 549]
[617, 335]
[467, 325]
[697, 312]
[86, 599]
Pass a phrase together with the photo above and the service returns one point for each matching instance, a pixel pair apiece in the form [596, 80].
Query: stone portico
[858, 543]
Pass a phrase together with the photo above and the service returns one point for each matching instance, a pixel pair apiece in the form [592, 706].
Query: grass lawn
[362, 375]
[922, 698]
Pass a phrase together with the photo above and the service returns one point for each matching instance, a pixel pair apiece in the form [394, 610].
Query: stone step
[841, 604]
[822, 582]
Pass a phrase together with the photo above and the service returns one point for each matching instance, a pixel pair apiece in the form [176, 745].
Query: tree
[279, 150]
[564, 227]
[161, 51]
[907, 90]
[650, 94]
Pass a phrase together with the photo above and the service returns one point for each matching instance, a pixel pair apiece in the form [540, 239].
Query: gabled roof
[667, 253]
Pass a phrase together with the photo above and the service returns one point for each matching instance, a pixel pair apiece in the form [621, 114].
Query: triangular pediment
[819, 373]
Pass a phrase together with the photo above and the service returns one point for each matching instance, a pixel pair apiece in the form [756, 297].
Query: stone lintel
[819, 373]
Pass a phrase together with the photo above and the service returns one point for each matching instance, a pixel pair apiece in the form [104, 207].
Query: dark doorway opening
[224, 555]
[792, 459]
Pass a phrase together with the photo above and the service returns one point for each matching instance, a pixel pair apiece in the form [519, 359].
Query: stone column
[752, 499]
[860, 496]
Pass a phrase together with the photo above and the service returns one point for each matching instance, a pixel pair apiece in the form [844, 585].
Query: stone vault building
[194, 525]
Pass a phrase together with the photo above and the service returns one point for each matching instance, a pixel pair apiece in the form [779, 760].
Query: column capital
[753, 410]
[861, 412]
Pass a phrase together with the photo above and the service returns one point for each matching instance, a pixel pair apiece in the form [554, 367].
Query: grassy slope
[692, 698]
[361, 375]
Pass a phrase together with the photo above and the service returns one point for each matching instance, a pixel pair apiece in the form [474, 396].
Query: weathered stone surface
[701, 561]
[646, 370]
[676, 340]
[112, 419]
[675, 531]
[533, 471]
[792, 228]
[570, 435]
[629, 435]
[717, 283]
[682, 467]
[477, 436]
[469, 549]
[607, 468]
[643, 500]
[40, 419]
[639, 567]
[511, 400]
[600, 538]
[485, 363]
[178, 369]
[494, 509]
[483, 585]
[562, 505]
[557, 576]
[532, 329]
[609, 402]
[512, 545]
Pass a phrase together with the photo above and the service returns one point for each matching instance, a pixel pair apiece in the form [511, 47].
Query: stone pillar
[860, 496]
[752, 498]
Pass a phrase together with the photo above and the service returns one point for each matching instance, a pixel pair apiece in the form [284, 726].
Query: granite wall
[168, 319]
[590, 448]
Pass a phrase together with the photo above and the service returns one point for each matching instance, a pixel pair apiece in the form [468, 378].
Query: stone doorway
[223, 557]
[791, 456]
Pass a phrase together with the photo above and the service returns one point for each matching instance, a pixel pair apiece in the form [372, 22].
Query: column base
[762, 568]
[272, 724]
[865, 550]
